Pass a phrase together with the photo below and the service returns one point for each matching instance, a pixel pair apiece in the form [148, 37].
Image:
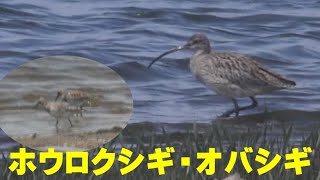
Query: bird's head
[40, 102]
[197, 42]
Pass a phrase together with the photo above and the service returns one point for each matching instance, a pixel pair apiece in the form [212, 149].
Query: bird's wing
[241, 70]
[73, 109]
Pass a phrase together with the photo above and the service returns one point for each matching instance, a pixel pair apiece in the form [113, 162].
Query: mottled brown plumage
[235, 75]
[74, 97]
[231, 75]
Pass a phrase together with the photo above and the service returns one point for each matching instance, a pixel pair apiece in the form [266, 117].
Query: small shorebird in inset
[231, 75]
[58, 110]
[74, 97]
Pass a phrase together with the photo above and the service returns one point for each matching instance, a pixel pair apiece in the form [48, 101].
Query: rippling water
[107, 113]
[127, 35]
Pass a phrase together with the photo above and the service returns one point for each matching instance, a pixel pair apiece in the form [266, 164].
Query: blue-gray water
[126, 35]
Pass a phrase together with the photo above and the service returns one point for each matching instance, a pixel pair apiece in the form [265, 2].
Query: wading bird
[75, 98]
[58, 110]
[231, 75]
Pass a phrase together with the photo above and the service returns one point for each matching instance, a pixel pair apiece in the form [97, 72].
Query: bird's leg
[236, 107]
[235, 110]
[57, 122]
[81, 108]
[253, 105]
[70, 122]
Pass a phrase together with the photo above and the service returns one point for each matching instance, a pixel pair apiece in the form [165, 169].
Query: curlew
[74, 97]
[231, 75]
[58, 110]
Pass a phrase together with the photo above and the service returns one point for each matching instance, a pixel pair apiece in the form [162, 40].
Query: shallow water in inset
[126, 35]
[110, 97]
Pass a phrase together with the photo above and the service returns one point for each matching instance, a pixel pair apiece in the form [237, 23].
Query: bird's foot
[228, 113]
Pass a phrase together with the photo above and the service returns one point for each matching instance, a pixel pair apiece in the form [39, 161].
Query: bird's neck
[46, 106]
[201, 52]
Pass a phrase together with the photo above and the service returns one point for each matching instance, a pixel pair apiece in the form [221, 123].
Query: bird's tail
[277, 79]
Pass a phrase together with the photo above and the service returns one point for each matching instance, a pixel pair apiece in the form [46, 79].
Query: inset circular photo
[66, 102]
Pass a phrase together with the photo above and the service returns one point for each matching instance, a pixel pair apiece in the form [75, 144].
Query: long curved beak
[166, 53]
